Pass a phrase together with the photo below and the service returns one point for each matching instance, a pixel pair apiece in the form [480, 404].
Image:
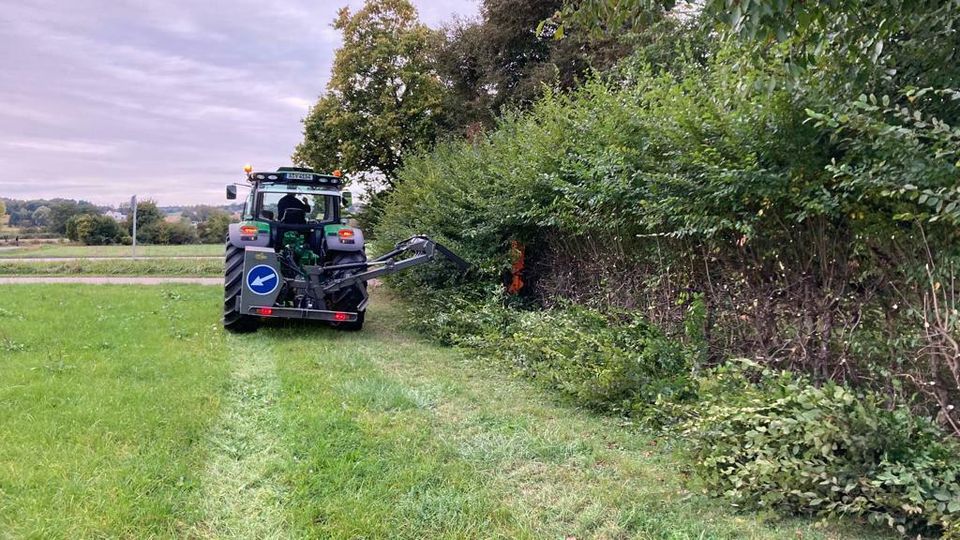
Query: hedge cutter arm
[422, 248]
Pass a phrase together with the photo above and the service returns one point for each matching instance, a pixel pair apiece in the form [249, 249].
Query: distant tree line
[84, 222]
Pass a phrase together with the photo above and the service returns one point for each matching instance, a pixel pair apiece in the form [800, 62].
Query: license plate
[299, 176]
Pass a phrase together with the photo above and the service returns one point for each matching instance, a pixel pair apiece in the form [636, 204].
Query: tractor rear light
[340, 316]
[345, 234]
[265, 311]
[248, 229]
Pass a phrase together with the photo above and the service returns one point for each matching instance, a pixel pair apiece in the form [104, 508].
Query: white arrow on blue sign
[262, 279]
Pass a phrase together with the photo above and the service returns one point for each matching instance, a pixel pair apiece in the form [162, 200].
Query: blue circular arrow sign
[262, 280]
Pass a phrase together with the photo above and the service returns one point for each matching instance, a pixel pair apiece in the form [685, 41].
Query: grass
[73, 250]
[107, 393]
[114, 267]
[242, 497]
[128, 413]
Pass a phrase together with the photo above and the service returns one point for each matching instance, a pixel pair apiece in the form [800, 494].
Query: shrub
[161, 232]
[180, 232]
[616, 363]
[213, 230]
[621, 366]
[783, 443]
[94, 230]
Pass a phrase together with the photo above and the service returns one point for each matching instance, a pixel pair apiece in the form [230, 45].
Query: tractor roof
[296, 175]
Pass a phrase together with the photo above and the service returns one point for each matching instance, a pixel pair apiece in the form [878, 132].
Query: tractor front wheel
[233, 320]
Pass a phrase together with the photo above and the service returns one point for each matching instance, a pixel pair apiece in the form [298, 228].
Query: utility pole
[133, 209]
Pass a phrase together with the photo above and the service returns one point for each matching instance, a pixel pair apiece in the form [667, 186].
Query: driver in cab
[288, 202]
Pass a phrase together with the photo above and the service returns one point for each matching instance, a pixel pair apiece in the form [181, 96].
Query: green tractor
[294, 257]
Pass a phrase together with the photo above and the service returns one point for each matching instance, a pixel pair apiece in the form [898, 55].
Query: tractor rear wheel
[233, 320]
[354, 296]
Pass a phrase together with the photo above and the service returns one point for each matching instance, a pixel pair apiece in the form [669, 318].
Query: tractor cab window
[248, 206]
[321, 208]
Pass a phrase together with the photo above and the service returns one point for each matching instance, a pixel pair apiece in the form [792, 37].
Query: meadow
[156, 266]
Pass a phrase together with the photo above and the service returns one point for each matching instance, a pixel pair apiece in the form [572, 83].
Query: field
[128, 413]
[114, 267]
[72, 250]
[68, 259]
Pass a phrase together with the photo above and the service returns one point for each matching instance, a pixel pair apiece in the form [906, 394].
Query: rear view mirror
[231, 192]
[346, 199]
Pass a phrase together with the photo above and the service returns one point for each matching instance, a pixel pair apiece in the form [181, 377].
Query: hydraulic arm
[421, 248]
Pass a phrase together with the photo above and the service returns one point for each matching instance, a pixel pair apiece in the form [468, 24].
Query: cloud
[297, 102]
[62, 146]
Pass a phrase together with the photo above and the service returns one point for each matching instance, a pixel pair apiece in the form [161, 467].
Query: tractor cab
[320, 194]
[295, 208]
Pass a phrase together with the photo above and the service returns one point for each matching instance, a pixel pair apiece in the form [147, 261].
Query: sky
[166, 99]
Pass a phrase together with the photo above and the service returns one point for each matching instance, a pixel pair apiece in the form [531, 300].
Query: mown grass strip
[365, 462]
[125, 267]
[106, 394]
[242, 493]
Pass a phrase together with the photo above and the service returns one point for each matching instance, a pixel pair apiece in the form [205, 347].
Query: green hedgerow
[784, 443]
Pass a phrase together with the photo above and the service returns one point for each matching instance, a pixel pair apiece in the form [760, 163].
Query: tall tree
[384, 95]
[504, 59]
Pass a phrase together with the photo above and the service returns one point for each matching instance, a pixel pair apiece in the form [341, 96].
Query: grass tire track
[242, 487]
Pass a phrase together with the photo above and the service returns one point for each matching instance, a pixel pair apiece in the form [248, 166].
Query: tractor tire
[354, 297]
[233, 320]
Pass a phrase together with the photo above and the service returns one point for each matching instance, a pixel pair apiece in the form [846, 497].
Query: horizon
[165, 100]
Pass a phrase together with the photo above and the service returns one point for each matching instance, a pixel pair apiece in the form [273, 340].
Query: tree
[148, 218]
[516, 63]
[384, 96]
[502, 61]
[61, 213]
[214, 229]
[41, 216]
[3, 208]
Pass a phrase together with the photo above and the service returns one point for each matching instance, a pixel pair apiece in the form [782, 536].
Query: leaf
[877, 50]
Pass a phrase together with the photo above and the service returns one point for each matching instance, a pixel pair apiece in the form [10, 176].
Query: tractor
[294, 255]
